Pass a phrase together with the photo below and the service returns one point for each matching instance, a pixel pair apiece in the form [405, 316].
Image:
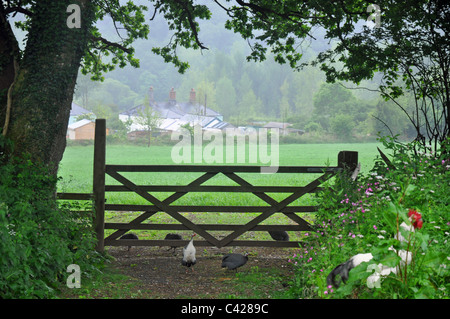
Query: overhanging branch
[111, 44]
[20, 10]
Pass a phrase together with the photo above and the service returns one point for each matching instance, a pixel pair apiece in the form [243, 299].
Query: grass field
[76, 172]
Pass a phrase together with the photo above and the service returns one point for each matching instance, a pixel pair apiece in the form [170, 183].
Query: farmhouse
[174, 114]
[82, 130]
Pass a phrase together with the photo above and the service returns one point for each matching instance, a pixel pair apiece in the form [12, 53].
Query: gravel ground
[158, 273]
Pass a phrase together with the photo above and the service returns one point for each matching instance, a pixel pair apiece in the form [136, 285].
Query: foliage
[149, 119]
[342, 125]
[400, 50]
[38, 238]
[364, 217]
[408, 47]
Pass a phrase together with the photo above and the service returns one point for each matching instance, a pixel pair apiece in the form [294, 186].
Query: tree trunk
[8, 50]
[43, 91]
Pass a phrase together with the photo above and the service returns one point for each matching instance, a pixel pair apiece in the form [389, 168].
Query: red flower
[416, 218]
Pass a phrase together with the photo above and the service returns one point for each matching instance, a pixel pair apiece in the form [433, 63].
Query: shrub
[342, 125]
[364, 216]
[38, 239]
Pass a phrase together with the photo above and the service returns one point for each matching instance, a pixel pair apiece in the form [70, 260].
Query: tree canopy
[408, 48]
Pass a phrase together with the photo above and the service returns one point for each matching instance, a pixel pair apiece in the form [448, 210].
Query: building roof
[174, 110]
[79, 124]
[279, 125]
[77, 110]
[174, 113]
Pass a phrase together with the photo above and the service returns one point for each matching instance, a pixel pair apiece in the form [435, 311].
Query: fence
[346, 159]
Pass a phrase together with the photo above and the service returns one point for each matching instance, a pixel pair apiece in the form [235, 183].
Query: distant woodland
[244, 92]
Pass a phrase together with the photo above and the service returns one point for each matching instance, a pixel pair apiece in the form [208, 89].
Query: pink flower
[375, 227]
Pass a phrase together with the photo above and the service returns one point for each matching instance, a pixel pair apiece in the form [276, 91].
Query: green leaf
[391, 259]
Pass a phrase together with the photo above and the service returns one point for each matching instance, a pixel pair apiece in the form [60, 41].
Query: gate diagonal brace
[275, 208]
[167, 201]
[164, 207]
[269, 200]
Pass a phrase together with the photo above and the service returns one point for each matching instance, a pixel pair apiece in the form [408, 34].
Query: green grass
[76, 172]
[270, 283]
[107, 284]
[76, 165]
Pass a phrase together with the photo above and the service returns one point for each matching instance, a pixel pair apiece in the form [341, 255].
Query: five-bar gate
[346, 159]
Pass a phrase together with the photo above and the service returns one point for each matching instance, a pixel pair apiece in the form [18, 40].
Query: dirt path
[158, 273]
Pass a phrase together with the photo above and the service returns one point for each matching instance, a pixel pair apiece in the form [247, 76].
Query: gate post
[99, 182]
[348, 160]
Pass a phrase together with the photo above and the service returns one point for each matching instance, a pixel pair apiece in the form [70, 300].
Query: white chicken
[380, 270]
[189, 254]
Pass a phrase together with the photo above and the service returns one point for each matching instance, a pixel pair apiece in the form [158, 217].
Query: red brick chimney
[151, 97]
[172, 95]
[192, 96]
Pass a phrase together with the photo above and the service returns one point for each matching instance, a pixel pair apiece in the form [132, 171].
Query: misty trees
[149, 119]
[410, 47]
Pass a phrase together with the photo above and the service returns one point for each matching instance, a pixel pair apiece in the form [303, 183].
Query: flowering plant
[416, 218]
[367, 217]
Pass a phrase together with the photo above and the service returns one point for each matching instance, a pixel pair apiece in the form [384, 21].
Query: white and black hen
[189, 254]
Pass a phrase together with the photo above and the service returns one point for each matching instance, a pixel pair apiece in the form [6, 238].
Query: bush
[342, 125]
[38, 239]
[364, 216]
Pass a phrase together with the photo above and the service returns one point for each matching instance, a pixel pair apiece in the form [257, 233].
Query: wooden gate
[346, 159]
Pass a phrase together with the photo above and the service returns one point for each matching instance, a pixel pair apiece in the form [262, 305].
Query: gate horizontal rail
[210, 189]
[208, 209]
[218, 168]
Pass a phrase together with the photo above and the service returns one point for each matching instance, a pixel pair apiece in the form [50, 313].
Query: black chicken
[172, 236]
[279, 235]
[234, 261]
[129, 236]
